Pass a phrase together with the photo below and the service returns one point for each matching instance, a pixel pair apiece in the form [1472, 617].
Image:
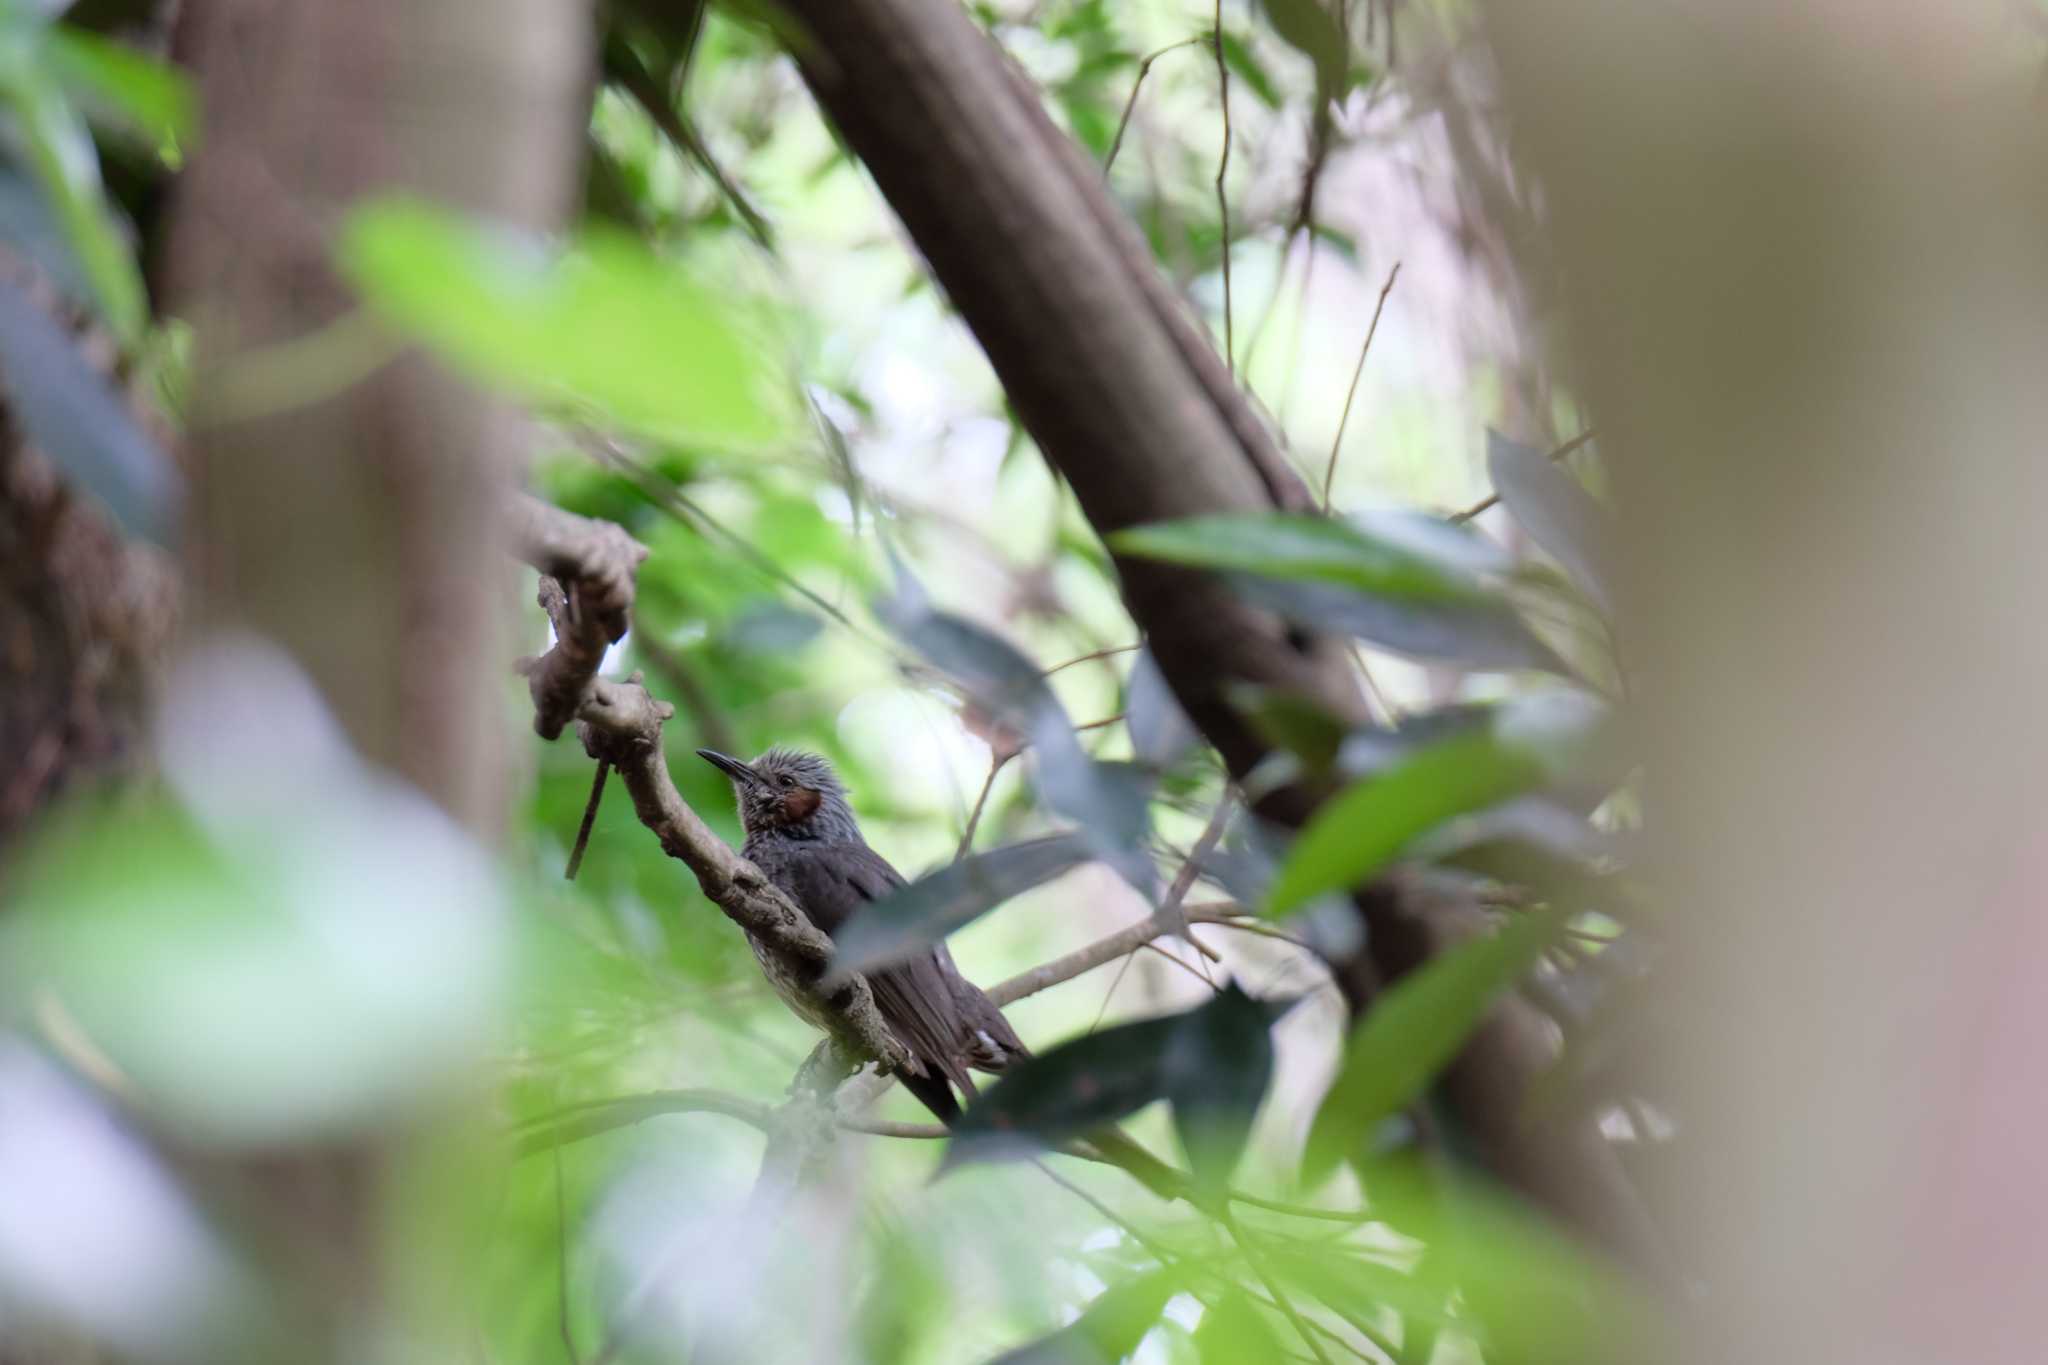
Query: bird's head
[789, 791]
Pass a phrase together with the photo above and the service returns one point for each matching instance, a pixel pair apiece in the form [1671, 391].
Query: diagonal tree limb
[620, 725]
[1134, 409]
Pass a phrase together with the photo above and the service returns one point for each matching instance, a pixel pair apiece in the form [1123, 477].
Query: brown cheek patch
[800, 804]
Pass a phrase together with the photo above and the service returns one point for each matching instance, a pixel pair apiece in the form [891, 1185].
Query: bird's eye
[786, 780]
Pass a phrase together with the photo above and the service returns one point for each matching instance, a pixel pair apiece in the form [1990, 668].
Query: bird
[801, 832]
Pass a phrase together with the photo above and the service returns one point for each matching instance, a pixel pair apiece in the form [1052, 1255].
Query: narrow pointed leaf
[1413, 1031]
[1066, 1093]
[1233, 1332]
[1108, 803]
[1365, 827]
[78, 421]
[1110, 1329]
[1556, 511]
[1477, 632]
[1309, 27]
[1301, 548]
[1218, 1065]
[1160, 731]
[607, 324]
[146, 95]
[924, 912]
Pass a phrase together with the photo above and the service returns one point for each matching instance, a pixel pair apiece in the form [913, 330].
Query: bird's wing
[917, 998]
[992, 1043]
[979, 1030]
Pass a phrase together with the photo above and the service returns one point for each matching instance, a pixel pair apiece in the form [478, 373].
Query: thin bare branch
[604, 770]
[1144, 69]
[1222, 194]
[1090, 657]
[995, 765]
[1257, 1262]
[1372, 329]
[580, 1121]
[625, 66]
[562, 1264]
[587, 570]
[1491, 498]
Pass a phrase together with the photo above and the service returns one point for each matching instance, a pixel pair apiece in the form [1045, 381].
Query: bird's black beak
[730, 766]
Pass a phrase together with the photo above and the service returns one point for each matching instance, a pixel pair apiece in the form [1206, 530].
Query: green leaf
[1478, 633]
[1212, 1063]
[147, 96]
[1106, 801]
[1111, 1328]
[1065, 1093]
[1301, 548]
[1413, 1031]
[67, 170]
[1366, 826]
[1217, 1067]
[82, 424]
[1161, 733]
[1233, 1332]
[1524, 1290]
[607, 324]
[1555, 510]
[1246, 68]
[925, 911]
[1408, 583]
[1309, 27]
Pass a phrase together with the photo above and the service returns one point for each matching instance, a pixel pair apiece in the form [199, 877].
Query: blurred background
[1502, 535]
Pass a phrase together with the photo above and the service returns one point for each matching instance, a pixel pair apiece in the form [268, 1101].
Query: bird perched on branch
[803, 836]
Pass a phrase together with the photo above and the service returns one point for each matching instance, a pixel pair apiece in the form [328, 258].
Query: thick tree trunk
[86, 615]
[1131, 404]
[1807, 282]
[355, 524]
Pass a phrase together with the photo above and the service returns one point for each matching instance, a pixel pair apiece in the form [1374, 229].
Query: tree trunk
[86, 616]
[354, 523]
[1130, 403]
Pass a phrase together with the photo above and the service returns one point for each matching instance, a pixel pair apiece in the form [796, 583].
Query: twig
[1337, 441]
[890, 1128]
[666, 495]
[1076, 963]
[995, 765]
[588, 1120]
[1105, 950]
[1201, 976]
[1168, 1256]
[1144, 69]
[604, 770]
[1491, 498]
[1258, 1264]
[625, 65]
[562, 1262]
[1110, 994]
[586, 587]
[1170, 915]
[1090, 657]
[1353, 1216]
[1222, 195]
[1102, 724]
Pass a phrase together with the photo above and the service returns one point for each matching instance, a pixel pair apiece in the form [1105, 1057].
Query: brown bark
[1806, 289]
[358, 526]
[357, 523]
[1131, 405]
[85, 614]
